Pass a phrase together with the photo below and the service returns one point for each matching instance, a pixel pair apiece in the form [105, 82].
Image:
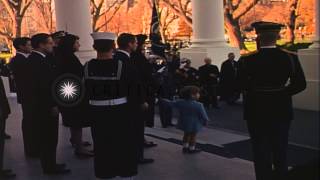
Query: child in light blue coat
[192, 116]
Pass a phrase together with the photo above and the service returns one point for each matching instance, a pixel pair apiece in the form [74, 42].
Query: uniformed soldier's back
[106, 88]
[272, 77]
[270, 67]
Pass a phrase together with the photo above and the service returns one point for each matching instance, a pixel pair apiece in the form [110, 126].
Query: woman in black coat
[74, 117]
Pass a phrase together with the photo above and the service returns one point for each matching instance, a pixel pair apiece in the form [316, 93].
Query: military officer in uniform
[4, 113]
[107, 82]
[269, 78]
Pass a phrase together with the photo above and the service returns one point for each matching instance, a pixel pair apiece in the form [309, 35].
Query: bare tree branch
[178, 10]
[97, 14]
[245, 10]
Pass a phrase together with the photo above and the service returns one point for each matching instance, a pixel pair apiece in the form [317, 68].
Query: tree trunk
[94, 24]
[290, 33]
[291, 25]
[234, 33]
[18, 26]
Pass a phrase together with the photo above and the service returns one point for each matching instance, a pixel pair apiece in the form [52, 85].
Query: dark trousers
[229, 93]
[2, 139]
[31, 145]
[270, 143]
[140, 125]
[210, 95]
[149, 114]
[47, 130]
[165, 111]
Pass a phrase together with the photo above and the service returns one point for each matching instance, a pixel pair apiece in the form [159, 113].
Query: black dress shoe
[32, 155]
[194, 151]
[216, 107]
[56, 171]
[84, 154]
[145, 161]
[171, 125]
[6, 174]
[61, 166]
[149, 144]
[185, 150]
[7, 136]
[86, 144]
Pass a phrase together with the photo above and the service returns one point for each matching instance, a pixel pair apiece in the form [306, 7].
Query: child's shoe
[185, 150]
[194, 151]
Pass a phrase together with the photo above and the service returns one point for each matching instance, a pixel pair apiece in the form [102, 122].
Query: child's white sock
[186, 145]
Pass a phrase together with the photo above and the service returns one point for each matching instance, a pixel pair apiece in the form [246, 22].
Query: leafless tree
[293, 10]
[46, 12]
[166, 19]
[98, 11]
[233, 11]
[180, 8]
[16, 10]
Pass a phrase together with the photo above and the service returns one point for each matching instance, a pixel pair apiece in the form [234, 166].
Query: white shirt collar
[43, 55]
[125, 52]
[267, 47]
[23, 54]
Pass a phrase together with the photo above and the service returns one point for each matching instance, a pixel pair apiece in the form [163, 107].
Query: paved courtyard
[226, 154]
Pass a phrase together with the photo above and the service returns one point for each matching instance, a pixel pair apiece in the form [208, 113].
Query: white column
[208, 23]
[75, 18]
[316, 43]
[310, 61]
[208, 33]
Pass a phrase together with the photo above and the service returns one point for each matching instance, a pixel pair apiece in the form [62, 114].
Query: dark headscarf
[66, 44]
[67, 61]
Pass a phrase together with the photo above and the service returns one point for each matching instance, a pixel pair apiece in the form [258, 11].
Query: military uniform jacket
[112, 125]
[145, 71]
[41, 80]
[269, 78]
[137, 95]
[104, 81]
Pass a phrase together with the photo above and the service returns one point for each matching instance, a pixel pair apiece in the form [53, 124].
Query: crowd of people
[124, 84]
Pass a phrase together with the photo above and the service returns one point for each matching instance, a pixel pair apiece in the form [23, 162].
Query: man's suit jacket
[18, 66]
[42, 77]
[229, 73]
[205, 77]
[135, 90]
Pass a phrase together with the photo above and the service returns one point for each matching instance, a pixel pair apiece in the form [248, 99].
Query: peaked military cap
[264, 26]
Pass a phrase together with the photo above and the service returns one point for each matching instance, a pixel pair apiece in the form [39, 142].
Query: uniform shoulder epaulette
[249, 54]
[287, 51]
